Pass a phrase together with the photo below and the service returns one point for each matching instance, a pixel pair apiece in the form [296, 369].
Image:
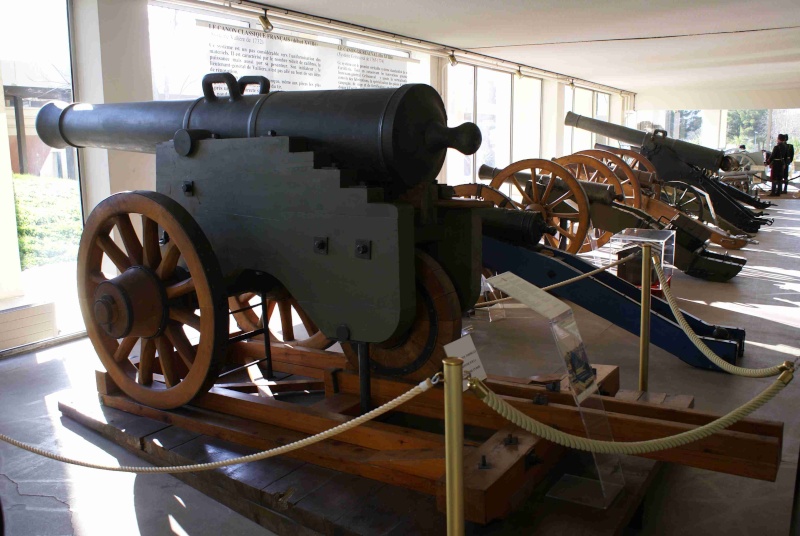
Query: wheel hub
[132, 304]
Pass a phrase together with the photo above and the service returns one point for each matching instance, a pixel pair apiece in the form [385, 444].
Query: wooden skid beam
[733, 452]
[332, 454]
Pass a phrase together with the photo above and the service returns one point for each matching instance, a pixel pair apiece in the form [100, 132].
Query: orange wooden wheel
[285, 306]
[161, 293]
[627, 178]
[638, 162]
[419, 353]
[567, 211]
[587, 168]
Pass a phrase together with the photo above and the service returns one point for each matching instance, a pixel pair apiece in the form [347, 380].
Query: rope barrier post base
[644, 329]
[454, 445]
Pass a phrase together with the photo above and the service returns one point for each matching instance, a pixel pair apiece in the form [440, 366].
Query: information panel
[292, 63]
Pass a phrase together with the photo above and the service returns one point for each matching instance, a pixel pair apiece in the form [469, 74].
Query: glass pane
[582, 139]
[527, 118]
[39, 185]
[460, 106]
[602, 111]
[494, 118]
[568, 95]
[748, 128]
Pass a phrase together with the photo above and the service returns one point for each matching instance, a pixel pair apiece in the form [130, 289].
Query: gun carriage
[698, 166]
[323, 205]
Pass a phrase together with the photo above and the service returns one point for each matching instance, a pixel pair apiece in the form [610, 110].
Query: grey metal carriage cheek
[261, 207]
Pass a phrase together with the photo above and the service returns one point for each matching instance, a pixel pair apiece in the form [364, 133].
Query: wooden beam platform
[290, 496]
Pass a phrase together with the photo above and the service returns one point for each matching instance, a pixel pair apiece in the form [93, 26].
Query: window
[527, 118]
[460, 109]
[506, 108]
[588, 103]
[494, 118]
[38, 184]
[582, 104]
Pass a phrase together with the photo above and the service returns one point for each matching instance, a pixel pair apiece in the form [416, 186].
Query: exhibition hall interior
[399, 268]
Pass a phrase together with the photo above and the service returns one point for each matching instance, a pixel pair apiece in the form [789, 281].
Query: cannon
[677, 160]
[323, 203]
[608, 216]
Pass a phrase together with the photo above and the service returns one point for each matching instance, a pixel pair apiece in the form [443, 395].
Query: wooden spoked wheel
[418, 354]
[161, 292]
[625, 175]
[636, 160]
[285, 306]
[587, 168]
[639, 162]
[566, 209]
[683, 197]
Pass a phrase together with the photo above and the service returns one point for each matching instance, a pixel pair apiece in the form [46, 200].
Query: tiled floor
[44, 497]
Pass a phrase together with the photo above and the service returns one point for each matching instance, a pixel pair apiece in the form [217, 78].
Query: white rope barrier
[698, 342]
[402, 399]
[549, 433]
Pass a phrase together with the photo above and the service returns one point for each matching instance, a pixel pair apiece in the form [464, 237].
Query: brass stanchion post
[454, 445]
[644, 330]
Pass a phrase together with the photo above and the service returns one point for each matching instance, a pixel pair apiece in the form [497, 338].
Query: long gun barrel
[396, 135]
[696, 155]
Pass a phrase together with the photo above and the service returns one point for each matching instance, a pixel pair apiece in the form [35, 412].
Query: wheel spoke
[566, 233]
[521, 190]
[166, 355]
[152, 249]
[311, 328]
[185, 316]
[552, 239]
[285, 310]
[129, 238]
[169, 262]
[97, 277]
[563, 197]
[181, 343]
[549, 188]
[534, 189]
[117, 256]
[146, 360]
[179, 289]
[245, 298]
[124, 348]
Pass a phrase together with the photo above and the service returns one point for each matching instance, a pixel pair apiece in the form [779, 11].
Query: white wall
[112, 64]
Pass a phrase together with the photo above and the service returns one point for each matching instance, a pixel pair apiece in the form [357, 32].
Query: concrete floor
[44, 497]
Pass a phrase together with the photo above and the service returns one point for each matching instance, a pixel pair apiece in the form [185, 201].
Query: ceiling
[673, 54]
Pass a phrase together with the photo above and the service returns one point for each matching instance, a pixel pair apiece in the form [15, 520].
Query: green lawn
[48, 219]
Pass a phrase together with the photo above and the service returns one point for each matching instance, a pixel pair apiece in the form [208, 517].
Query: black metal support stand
[267, 342]
[364, 376]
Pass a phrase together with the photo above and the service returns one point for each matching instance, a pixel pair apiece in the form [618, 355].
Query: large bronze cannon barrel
[398, 135]
[689, 153]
